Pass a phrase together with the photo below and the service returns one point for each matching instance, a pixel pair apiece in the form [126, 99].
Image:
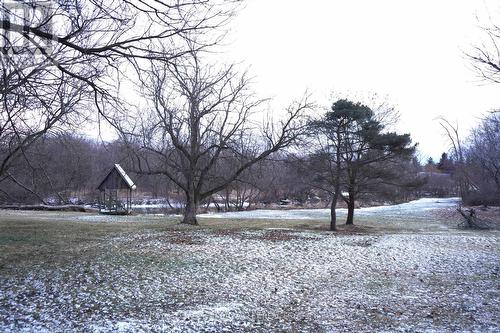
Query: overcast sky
[410, 51]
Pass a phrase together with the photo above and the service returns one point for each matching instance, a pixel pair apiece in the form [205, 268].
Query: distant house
[115, 192]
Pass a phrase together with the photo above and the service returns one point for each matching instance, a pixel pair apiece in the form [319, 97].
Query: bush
[478, 199]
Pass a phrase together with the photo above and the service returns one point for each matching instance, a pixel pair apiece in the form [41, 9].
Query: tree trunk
[333, 213]
[350, 210]
[190, 211]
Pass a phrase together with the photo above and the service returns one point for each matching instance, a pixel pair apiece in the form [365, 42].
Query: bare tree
[50, 47]
[482, 161]
[477, 160]
[56, 55]
[458, 152]
[202, 116]
[486, 56]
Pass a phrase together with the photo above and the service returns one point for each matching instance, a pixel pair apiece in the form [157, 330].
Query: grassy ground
[86, 272]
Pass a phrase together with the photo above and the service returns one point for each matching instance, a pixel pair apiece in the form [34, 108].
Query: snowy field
[63, 272]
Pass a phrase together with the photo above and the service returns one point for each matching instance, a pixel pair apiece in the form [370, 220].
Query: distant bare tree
[201, 117]
[458, 152]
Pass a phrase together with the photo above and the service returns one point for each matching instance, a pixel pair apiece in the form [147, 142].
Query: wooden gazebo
[115, 192]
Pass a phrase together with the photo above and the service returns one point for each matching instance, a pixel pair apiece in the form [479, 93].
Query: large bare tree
[201, 117]
[57, 55]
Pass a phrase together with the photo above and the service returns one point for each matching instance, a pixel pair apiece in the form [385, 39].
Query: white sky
[409, 51]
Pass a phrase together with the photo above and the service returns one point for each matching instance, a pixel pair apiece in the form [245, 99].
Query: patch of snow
[324, 214]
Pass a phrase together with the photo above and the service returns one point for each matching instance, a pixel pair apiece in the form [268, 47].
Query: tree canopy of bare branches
[485, 57]
[102, 42]
[96, 36]
[31, 109]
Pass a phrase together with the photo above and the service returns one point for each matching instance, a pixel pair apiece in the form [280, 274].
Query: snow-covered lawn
[151, 275]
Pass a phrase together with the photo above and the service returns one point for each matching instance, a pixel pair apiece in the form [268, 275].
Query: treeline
[64, 168]
[67, 168]
[59, 168]
[476, 160]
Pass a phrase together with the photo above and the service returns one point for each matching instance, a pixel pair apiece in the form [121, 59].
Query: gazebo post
[130, 200]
